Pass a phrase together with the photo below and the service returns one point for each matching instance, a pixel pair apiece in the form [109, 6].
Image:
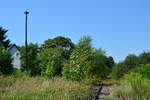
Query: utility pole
[26, 42]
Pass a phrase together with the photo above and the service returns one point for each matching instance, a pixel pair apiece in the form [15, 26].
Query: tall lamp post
[26, 42]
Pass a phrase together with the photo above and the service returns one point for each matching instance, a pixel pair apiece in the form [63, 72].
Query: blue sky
[120, 27]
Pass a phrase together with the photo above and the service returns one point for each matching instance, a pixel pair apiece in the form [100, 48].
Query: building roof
[14, 45]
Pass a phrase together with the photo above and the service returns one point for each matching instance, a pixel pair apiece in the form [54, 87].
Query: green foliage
[133, 87]
[143, 70]
[6, 67]
[59, 41]
[119, 70]
[85, 62]
[110, 62]
[51, 61]
[109, 99]
[3, 41]
[18, 73]
[100, 68]
[32, 63]
[38, 88]
[80, 61]
[144, 58]
[130, 62]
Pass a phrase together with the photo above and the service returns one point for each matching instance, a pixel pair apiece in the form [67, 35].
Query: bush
[6, 67]
[119, 70]
[19, 73]
[32, 63]
[130, 62]
[80, 61]
[144, 58]
[143, 70]
[133, 87]
[100, 63]
[86, 62]
[51, 61]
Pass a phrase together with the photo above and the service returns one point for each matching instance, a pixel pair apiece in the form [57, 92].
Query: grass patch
[133, 87]
[109, 99]
[39, 88]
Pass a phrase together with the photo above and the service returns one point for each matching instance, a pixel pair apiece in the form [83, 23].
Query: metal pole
[26, 42]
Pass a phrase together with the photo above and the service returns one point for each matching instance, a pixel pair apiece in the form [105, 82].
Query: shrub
[130, 62]
[119, 70]
[144, 58]
[100, 67]
[133, 87]
[51, 61]
[143, 70]
[80, 61]
[6, 67]
[32, 63]
[86, 62]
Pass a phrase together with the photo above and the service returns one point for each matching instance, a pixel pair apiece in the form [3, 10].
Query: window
[17, 54]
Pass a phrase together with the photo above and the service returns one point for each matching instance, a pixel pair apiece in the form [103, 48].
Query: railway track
[100, 92]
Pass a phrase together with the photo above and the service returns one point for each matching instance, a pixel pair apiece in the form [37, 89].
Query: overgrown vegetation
[38, 88]
[135, 85]
[51, 61]
[75, 65]
[32, 61]
[86, 62]
[6, 67]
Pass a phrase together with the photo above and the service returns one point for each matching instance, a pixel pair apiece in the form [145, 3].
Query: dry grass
[39, 88]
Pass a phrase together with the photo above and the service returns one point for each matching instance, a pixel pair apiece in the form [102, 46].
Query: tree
[131, 61]
[60, 41]
[144, 58]
[80, 61]
[100, 62]
[33, 64]
[3, 38]
[119, 70]
[86, 62]
[6, 66]
[110, 62]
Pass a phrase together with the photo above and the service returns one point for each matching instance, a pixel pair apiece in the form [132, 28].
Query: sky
[120, 27]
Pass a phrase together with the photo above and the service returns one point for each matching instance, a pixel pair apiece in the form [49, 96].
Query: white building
[15, 52]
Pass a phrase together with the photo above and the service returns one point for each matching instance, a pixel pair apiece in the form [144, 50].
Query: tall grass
[38, 88]
[133, 87]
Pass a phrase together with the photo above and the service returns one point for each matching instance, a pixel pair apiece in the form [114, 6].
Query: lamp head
[26, 12]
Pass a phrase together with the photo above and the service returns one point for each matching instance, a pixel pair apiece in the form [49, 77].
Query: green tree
[100, 62]
[80, 61]
[144, 70]
[6, 66]
[144, 58]
[51, 61]
[60, 41]
[3, 38]
[119, 70]
[110, 62]
[32, 63]
[86, 62]
[131, 61]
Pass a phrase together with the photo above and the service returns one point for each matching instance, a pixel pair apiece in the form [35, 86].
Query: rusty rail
[98, 93]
